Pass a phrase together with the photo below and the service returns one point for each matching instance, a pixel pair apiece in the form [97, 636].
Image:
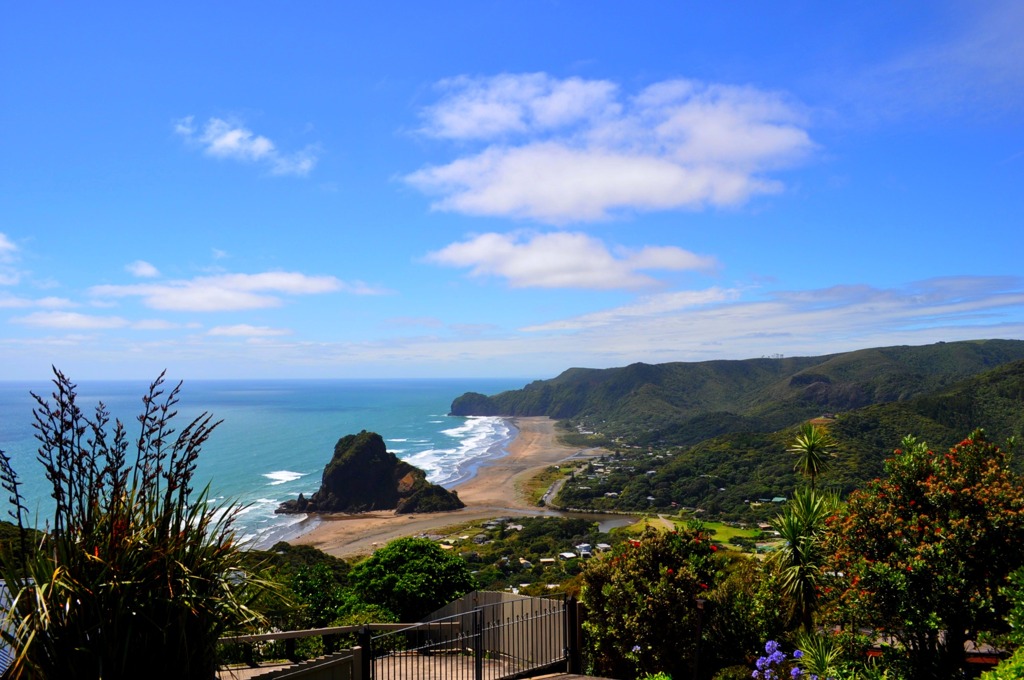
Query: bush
[642, 613]
[138, 576]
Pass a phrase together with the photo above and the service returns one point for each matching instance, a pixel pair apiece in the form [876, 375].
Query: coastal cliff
[363, 476]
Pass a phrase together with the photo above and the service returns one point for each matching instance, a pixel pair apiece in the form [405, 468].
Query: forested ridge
[713, 435]
[686, 403]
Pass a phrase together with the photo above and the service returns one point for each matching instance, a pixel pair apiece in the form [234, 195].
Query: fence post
[573, 636]
[478, 644]
[366, 657]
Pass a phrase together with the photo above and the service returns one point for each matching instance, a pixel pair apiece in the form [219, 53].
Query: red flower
[714, 548]
[669, 571]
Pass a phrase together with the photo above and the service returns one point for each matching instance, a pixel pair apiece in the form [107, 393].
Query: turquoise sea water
[278, 435]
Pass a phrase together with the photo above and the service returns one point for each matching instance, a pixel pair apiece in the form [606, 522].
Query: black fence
[484, 636]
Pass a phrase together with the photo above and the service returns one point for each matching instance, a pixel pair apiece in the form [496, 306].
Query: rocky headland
[363, 476]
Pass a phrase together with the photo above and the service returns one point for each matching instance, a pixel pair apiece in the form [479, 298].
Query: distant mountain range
[686, 403]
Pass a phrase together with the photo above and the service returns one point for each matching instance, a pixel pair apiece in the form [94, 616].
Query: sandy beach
[492, 492]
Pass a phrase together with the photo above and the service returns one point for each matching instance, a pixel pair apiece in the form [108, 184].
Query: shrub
[138, 575]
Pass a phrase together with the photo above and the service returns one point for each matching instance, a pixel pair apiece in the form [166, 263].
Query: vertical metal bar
[366, 659]
[573, 636]
[478, 645]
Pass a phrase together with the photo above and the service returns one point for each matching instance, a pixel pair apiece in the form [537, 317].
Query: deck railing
[483, 636]
[506, 637]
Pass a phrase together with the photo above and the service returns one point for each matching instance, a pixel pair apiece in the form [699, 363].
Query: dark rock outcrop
[363, 476]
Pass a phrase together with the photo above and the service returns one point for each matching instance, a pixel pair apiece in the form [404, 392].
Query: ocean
[277, 435]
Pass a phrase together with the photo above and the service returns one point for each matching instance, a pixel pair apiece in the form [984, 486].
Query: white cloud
[649, 308]
[227, 292]
[721, 323]
[223, 139]
[245, 330]
[482, 108]
[70, 321]
[15, 302]
[7, 248]
[564, 260]
[155, 325]
[142, 269]
[561, 151]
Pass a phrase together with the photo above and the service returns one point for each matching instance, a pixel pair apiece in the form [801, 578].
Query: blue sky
[500, 189]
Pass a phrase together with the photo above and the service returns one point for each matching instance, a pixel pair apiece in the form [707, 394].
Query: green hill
[687, 403]
[729, 474]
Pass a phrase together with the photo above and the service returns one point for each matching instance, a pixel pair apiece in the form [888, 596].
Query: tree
[802, 526]
[642, 604]
[412, 577]
[925, 552]
[812, 445]
[138, 576]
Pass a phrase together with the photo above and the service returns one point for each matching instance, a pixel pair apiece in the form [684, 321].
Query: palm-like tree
[812, 445]
[801, 558]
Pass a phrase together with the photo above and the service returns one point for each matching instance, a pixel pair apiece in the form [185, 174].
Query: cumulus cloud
[227, 292]
[247, 331]
[233, 141]
[560, 151]
[481, 108]
[70, 321]
[564, 260]
[142, 269]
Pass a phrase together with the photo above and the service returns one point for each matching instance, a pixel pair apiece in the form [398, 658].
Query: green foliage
[801, 557]
[138, 575]
[1014, 592]
[642, 604]
[1009, 669]
[822, 654]
[411, 577]
[747, 608]
[927, 550]
[812, 446]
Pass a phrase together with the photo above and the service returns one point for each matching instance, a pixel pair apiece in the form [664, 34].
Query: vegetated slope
[721, 474]
[685, 403]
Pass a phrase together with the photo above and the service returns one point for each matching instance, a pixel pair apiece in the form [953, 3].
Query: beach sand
[492, 492]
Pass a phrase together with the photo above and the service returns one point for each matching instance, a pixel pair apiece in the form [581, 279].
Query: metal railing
[505, 637]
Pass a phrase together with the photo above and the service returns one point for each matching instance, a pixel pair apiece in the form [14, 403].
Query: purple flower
[636, 649]
[771, 647]
[798, 654]
[795, 673]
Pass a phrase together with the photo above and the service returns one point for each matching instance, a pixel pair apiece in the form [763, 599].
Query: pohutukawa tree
[925, 553]
[138, 574]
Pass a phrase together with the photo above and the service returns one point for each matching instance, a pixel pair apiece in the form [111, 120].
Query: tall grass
[137, 573]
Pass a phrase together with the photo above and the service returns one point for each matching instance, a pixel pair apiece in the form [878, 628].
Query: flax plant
[137, 574]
